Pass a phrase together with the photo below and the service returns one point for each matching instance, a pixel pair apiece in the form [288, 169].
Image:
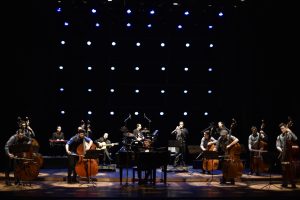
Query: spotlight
[161, 113]
[136, 113]
[112, 68]
[185, 113]
[113, 43]
[63, 42]
[163, 68]
[205, 113]
[211, 45]
[187, 44]
[111, 112]
[185, 91]
[89, 68]
[62, 112]
[61, 67]
[88, 43]
[112, 90]
[89, 112]
[138, 44]
[94, 10]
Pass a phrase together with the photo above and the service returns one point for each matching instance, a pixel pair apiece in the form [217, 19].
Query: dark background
[256, 59]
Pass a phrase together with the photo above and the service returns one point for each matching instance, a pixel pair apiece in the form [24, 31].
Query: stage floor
[181, 184]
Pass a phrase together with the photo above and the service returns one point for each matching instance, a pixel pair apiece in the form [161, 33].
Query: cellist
[288, 166]
[71, 148]
[206, 142]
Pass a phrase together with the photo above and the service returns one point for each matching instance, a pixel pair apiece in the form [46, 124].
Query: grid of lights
[139, 43]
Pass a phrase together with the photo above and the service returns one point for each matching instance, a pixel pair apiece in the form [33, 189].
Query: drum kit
[132, 143]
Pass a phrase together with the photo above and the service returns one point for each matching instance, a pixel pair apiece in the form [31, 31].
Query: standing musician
[101, 143]
[87, 127]
[18, 138]
[224, 143]
[283, 145]
[253, 144]
[25, 125]
[71, 147]
[206, 141]
[181, 134]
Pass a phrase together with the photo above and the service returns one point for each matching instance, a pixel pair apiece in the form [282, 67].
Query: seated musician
[104, 144]
[18, 138]
[71, 148]
[283, 143]
[225, 141]
[253, 141]
[206, 141]
[57, 141]
[138, 132]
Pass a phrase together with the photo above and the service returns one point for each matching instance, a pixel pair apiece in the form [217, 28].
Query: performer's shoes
[17, 182]
[284, 185]
[232, 182]
[8, 183]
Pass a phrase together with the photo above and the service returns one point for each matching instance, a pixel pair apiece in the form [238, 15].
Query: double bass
[233, 166]
[26, 165]
[86, 167]
[257, 162]
[291, 152]
[210, 164]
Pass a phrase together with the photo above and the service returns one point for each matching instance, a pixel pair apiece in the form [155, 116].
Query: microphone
[129, 116]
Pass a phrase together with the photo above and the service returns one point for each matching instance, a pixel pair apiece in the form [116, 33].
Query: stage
[181, 184]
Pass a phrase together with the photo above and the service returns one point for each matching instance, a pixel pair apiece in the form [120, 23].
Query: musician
[58, 146]
[58, 134]
[206, 141]
[100, 143]
[71, 147]
[25, 125]
[253, 141]
[137, 132]
[221, 126]
[87, 127]
[18, 138]
[181, 134]
[287, 163]
[225, 141]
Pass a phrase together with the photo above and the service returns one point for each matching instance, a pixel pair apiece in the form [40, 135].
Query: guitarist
[101, 143]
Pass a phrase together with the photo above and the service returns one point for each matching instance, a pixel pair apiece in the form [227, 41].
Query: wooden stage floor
[188, 184]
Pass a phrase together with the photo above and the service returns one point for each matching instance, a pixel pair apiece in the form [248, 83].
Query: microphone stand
[149, 121]
[125, 121]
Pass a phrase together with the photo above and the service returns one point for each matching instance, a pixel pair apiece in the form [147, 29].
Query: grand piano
[143, 160]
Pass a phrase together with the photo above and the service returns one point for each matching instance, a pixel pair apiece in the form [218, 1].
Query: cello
[257, 163]
[86, 167]
[233, 166]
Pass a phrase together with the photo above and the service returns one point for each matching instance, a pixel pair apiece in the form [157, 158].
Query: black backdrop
[256, 77]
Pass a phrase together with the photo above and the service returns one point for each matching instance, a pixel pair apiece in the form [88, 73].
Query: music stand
[211, 155]
[272, 163]
[89, 155]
